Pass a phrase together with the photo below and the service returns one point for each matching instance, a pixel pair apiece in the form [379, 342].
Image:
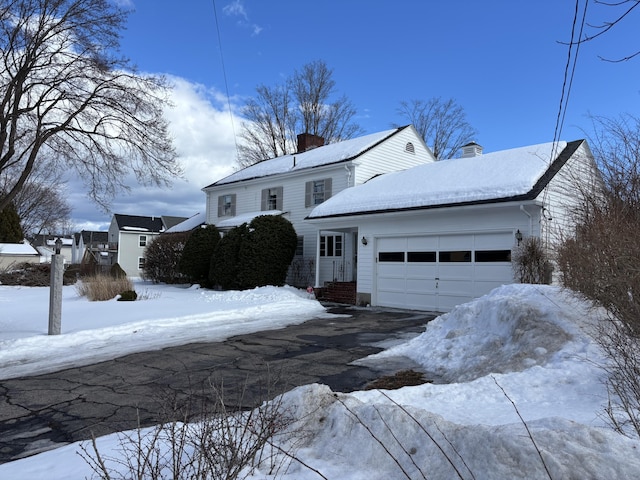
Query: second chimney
[471, 150]
[307, 141]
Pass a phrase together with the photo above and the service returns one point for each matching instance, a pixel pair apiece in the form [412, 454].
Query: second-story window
[317, 191]
[142, 240]
[271, 199]
[227, 205]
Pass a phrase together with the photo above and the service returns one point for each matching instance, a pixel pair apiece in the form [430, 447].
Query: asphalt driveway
[42, 412]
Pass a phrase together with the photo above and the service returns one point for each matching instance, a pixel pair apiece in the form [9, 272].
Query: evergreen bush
[223, 270]
[10, 229]
[267, 252]
[196, 255]
[128, 296]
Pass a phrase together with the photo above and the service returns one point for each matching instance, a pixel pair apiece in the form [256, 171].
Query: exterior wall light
[518, 236]
[58, 245]
[364, 240]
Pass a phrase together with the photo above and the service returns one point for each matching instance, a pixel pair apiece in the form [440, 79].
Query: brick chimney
[307, 141]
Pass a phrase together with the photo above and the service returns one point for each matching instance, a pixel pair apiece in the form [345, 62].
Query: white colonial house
[440, 234]
[129, 235]
[292, 185]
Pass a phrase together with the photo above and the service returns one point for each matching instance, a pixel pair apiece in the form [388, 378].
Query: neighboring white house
[130, 234]
[440, 234]
[292, 185]
[12, 254]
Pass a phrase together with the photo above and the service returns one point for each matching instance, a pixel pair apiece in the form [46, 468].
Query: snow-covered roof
[17, 249]
[244, 218]
[188, 224]
[316, 157]
[498, 176]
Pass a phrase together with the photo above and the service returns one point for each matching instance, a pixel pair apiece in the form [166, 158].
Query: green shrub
[267, 252]
[196, 255]
[223, 270]
[162, 258]
[128, 296]
[10, 229]
[254, 255]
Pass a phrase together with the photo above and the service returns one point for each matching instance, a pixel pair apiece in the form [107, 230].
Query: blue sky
[501, 60]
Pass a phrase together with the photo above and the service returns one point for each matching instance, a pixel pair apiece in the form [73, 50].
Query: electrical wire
[226, 83]
[569, 73]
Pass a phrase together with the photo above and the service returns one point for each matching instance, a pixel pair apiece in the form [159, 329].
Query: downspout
[530, 219]
[349, 175]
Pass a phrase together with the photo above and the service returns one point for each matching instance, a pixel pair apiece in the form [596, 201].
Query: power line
[226, 84]
[569, 73]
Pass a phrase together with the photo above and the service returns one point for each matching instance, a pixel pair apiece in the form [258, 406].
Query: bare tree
[302, 104]
[602, 262]
[42, 209]
[441, 123]
[69, 101]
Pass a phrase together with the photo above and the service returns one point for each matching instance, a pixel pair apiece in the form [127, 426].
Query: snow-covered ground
[525, 344]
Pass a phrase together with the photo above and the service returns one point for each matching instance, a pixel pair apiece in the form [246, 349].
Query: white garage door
[439, 272]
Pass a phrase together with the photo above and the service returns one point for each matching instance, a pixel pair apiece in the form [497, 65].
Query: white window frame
[142, 241]
[331, 245]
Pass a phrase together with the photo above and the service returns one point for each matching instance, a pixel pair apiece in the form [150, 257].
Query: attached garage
[437, 272]
[438, 235]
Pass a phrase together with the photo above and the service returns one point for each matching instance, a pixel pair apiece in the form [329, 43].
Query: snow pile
[382, 440]
[513, 328]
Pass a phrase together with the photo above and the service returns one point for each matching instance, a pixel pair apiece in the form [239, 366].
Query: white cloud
[236, 8]
[203, 135]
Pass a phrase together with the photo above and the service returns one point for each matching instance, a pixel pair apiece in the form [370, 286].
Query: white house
[442, 233]
[129, 235]
[12, 254]
[292, 185]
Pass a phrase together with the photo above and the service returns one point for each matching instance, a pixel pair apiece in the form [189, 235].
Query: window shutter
[308, 190]
[279, 198]
[233, 205]
[327, 188]
[220, 205]
[264, 200]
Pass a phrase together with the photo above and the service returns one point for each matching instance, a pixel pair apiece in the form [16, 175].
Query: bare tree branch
[302, 104]
[441, 123]
[67, 99]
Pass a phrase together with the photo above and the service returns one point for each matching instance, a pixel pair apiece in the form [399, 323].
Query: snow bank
[385, 440]
[512, 328]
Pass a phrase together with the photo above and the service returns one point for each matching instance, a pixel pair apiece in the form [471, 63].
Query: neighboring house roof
[508, 175]
[172, 221]
[138, 223]
[92, 236]
[316, 157]
[188, 224]
[18, 249]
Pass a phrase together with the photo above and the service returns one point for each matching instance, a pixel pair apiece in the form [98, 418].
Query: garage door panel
[440, 272]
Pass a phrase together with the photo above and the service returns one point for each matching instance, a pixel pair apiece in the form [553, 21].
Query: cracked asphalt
[42, 412]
